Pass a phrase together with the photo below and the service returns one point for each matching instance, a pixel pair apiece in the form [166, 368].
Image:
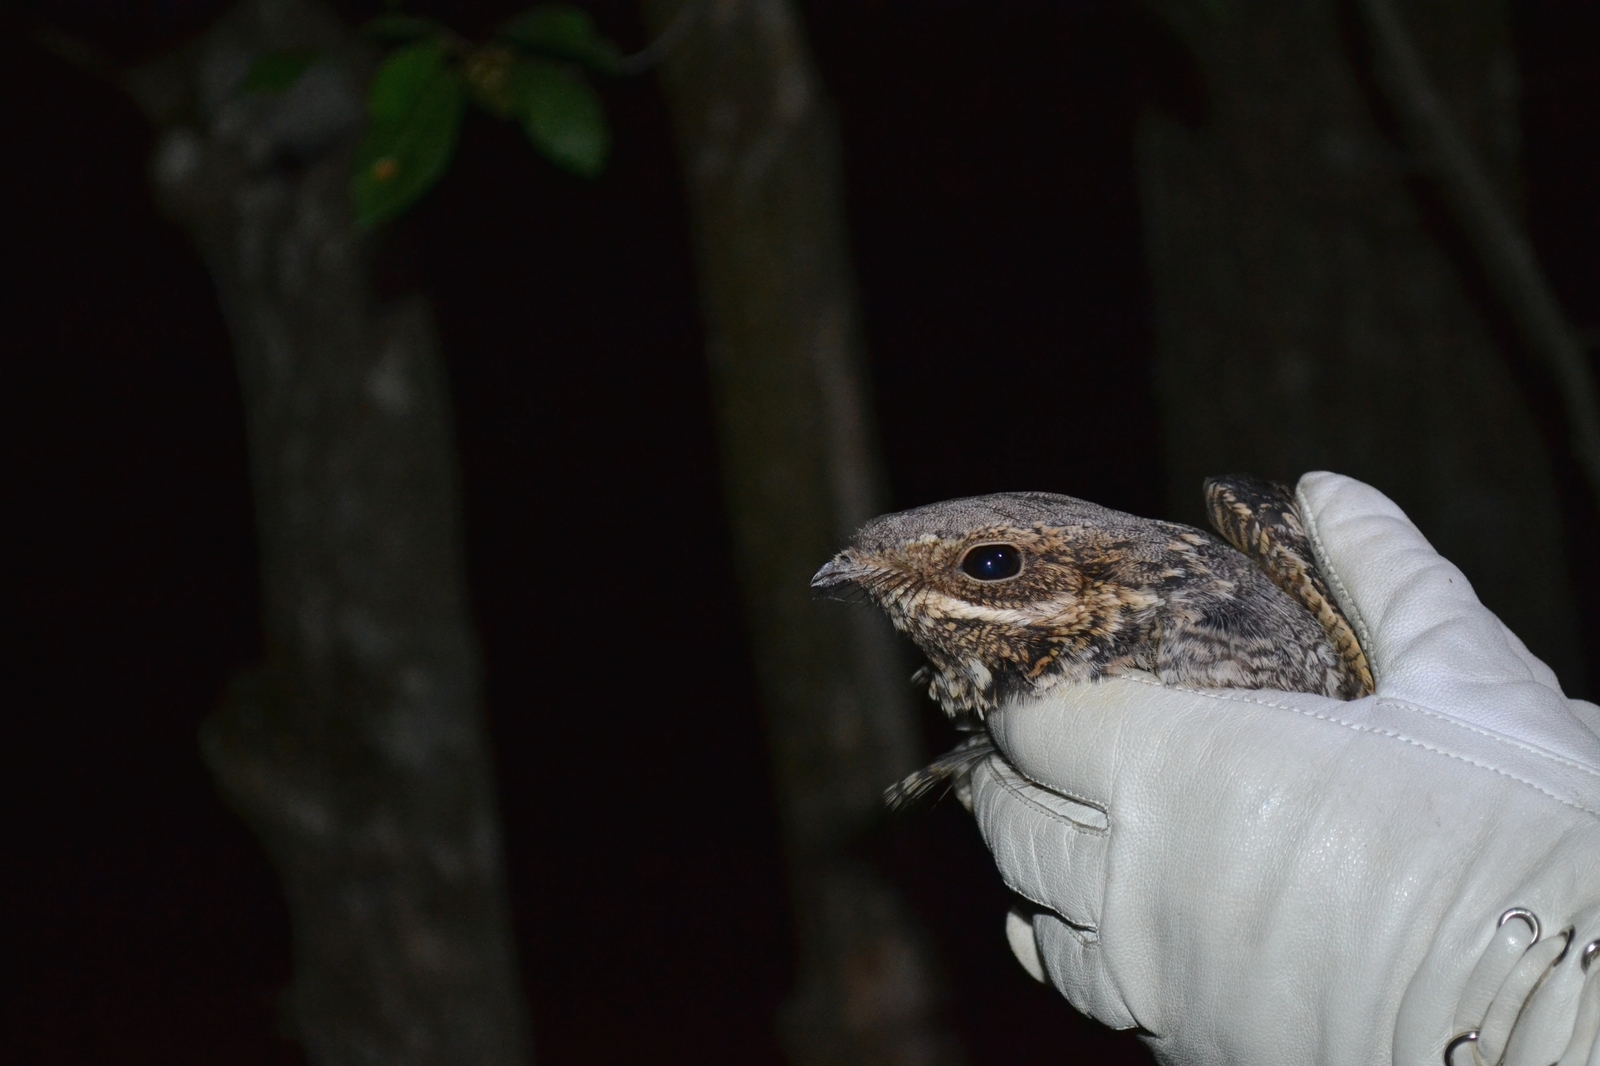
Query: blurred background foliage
[1099, 248]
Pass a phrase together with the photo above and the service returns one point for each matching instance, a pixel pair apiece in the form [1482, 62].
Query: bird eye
[992, 562]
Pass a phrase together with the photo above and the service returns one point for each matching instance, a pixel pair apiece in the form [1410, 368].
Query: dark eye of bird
[992, 562]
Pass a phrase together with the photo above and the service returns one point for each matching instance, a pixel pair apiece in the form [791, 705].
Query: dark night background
[992, 202]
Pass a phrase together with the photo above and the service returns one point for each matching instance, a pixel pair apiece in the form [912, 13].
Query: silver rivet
[1590, 951]
[1527, 916]
[1468, 1037]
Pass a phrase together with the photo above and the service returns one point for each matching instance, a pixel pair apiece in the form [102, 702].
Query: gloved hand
[1271, 879]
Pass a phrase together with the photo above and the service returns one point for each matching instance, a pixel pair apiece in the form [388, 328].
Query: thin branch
[1502, 246]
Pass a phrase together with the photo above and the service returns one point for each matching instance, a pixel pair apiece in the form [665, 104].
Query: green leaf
[415, 110]
[403, 80]
[563, 31]
[564, 117]
[275, 71]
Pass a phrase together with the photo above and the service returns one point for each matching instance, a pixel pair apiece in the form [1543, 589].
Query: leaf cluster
[534, 71]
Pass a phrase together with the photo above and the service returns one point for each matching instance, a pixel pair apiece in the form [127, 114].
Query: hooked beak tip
[838, 571]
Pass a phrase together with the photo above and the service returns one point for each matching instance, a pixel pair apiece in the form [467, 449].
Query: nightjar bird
[1013, 593]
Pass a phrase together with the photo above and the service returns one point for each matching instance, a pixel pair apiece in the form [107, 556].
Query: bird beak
[841, 570]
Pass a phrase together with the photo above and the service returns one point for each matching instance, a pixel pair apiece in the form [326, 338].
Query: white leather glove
[1272, 879]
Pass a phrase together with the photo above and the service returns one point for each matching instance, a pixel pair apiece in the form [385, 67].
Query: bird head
[1009, 592]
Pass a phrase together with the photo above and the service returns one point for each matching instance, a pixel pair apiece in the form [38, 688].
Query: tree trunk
[1307, 314]
[358, 750]
[759, 151]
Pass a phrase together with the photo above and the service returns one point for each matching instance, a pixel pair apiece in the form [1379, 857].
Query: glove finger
[1050, 849]
[1075, 965]
[1406, 601]
[1019, 934]
[1426, 636]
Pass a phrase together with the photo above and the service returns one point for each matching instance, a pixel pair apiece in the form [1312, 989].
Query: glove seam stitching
[1523, 746]
[1081, 827]
[1356, 727]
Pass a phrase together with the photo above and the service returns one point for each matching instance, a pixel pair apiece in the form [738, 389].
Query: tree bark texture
[759, 151]
[358, 751]
[1308, 316]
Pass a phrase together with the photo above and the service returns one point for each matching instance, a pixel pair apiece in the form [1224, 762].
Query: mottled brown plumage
[1014, 593]
[1261, 519]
